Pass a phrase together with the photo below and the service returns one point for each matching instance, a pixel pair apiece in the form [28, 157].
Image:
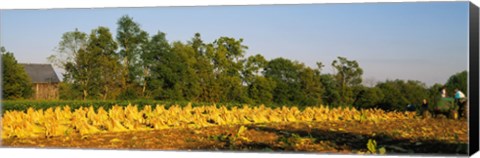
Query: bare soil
[421, 136]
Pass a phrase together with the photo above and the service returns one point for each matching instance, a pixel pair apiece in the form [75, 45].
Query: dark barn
[44, 79]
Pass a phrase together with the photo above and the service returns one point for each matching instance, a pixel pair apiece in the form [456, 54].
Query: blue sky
[418, 41]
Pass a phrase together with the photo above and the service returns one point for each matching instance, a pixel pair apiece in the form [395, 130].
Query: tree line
[135, 65]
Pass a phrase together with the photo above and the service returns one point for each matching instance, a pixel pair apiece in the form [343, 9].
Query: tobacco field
[262, 129]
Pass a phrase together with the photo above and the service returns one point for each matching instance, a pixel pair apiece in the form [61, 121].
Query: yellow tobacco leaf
[115, 140]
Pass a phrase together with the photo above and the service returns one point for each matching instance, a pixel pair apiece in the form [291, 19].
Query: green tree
[458, 80]
[162, 78]
[174, 74]
[156, 48]
[204, 70]
[311, 87]
[69, 91]
[67, 53]
[253, 66]
[131, 39]
[94, 69]
[227, 56]
[398, 94]
[285, 74]
[83, 73]
[393, 98]
[348, 74]
[15, 82]
[260, 90]
[189, 82]
[197, 44]
[415, 92]
[68, 48]
[101, 46]
[368, 97]
[331, 95]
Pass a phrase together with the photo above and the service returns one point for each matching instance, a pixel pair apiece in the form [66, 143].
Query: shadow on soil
[356, 142]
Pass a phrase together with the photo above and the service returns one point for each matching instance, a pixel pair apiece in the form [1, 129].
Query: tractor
[445, 106]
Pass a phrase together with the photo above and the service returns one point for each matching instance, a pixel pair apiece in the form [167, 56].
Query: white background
[71, 153]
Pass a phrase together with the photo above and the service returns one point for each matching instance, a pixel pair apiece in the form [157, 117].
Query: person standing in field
[424, 107]
[461, 101]
[443, 92]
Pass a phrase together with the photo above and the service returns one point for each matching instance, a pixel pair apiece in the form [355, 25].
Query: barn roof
[41, 73]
